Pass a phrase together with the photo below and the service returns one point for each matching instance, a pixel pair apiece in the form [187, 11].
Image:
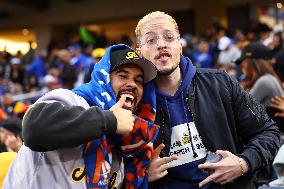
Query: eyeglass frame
[157, 38]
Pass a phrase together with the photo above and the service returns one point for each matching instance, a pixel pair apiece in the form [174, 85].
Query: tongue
[164, 58]
[127, 104]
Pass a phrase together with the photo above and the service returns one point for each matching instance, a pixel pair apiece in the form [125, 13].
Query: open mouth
[129, 103]
[163, 55]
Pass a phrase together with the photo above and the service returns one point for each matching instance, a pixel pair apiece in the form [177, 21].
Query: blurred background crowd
[65, 59]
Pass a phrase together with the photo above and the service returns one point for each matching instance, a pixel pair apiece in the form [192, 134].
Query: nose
[161, 43]
[131, 84]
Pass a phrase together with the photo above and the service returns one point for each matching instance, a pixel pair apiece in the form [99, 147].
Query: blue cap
[74, 47]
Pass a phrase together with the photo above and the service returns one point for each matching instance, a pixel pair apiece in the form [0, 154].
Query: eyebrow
[151, 32]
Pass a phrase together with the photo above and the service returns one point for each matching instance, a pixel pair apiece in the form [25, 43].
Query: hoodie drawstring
[187, 120]
[168, 111]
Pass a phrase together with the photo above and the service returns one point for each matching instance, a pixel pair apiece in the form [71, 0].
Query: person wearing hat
[93, 135]
[10, 135]
[17, 72]
[228, 53]
[259, 77]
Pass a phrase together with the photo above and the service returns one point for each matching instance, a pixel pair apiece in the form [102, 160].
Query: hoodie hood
[99, 91]
[278, 165]
[187, 73]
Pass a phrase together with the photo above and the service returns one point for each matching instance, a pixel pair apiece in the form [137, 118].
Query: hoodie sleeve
[53, 125]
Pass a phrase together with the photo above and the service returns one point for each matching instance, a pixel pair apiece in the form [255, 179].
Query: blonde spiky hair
[152, 16]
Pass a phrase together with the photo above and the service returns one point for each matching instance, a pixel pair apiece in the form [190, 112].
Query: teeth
[129, 96]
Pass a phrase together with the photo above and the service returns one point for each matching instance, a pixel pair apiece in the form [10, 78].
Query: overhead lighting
[13, 47]
[25, 32]
[33, 45]
[279, 5]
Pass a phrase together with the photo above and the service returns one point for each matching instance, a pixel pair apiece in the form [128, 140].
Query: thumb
[223, 153]
[119, 103]
[279, 114]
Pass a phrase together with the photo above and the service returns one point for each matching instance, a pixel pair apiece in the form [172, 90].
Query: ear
[138, 50]
[180, 49]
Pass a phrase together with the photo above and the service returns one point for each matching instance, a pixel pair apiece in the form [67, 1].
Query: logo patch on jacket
[78, 174]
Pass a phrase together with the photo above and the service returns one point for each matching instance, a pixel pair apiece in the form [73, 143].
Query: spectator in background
[5, 85]
[17, 72]
[67, 71]
[32, 83]
[188, 42]
[17, 88]
[29, 56]
[79, 62]
[101, 40]
[98, 53]
[228, 54]
[5, 67]
[89, 63]
[201, 57]
[7, 103]
[278, 165]
[261, 82]
[277, 44]
[278, 112]
[125, 39]
[10, 134]
[241, 40]
[278, 102]
[37, 67]
[278, 65]
[77, 57]
[50, 83]
[260, 79]
[264, 34]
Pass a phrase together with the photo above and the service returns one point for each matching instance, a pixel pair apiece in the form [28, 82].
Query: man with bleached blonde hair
[153, 16]
[213, 134]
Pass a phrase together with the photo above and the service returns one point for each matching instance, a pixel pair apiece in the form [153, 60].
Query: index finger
[205, 181]
[207, 165]
[158, 150]
[165, 160]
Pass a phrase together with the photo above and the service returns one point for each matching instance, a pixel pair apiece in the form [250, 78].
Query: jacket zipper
[190, 109]
[254, 114]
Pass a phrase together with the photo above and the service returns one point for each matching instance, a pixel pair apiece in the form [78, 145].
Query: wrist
[243, 165]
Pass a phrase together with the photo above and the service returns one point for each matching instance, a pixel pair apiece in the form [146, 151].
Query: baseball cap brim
[239, 60]
[148, 68]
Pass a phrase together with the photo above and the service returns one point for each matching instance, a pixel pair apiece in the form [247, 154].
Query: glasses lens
[152, 40]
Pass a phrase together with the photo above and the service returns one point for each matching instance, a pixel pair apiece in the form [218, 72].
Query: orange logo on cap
[131, 55]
